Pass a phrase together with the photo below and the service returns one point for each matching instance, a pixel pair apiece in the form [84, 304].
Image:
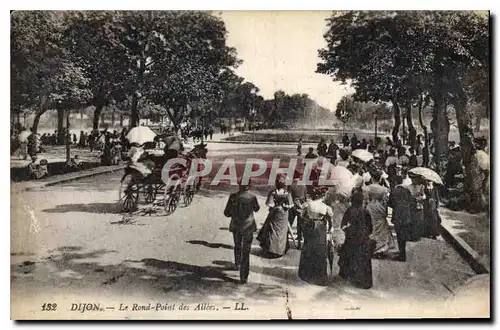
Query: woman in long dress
[317, 249]
[377, 207]
[273, 235]
[431, 214]
[417, 190]
[355, 255]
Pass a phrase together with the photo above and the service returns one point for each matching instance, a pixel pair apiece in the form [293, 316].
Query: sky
[280, 51]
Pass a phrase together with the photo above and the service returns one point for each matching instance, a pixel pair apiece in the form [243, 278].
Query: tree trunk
[472, 182]
[97, 115]
[121, 118]
[60, 127]
[43, 108]
[440, 127]
[36, 121]
[113, 118]
[478, 123]
[425, 151]
[412, 132]
[103, 117]
[134, 113]
[67, 138]
[397, 121]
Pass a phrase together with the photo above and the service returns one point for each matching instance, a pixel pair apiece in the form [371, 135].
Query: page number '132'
[47, 307]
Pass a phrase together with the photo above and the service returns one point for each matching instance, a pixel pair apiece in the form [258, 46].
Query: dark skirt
[273, 236]
[432, 220]
[418, 225]
[356, 264]
[316, 252]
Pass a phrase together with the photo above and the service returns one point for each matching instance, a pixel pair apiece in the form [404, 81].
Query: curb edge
[465, 250]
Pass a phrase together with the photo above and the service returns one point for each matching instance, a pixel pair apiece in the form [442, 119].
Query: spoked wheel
[171, 201]
[149, 193]
[129, 193]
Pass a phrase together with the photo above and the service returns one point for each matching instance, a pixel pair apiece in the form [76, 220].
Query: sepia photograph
[250, 165]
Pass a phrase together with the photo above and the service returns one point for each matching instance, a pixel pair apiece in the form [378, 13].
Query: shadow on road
[103, 208]
[211, 245]
[70, 267]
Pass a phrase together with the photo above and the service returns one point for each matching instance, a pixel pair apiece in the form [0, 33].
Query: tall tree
[43, 73]
[93, 38]
[188, 70]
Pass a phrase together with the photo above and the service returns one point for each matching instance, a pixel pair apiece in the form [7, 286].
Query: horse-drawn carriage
[146, 178]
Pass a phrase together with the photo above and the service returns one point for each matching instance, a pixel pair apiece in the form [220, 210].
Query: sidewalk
[56, 154]
[17, 187]
[470, 235]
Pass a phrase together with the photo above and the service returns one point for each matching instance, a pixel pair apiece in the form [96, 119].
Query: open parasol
[427, 174]
[23, 136]
[141, 135]
[342, 178]
[363, 155]
[483, 160]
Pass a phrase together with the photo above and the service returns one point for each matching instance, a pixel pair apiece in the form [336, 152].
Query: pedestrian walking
[273, 235]
[417, 190]
[322, 148]
[332, 152]
[413, 158]
[378, 196]
[318, 249]
[431, 213]
[355, 255]
[240, 208]
[400, 201]
[299, 148]
[298, 192]
[310, 154]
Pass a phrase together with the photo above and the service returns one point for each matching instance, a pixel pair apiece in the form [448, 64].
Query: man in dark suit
[240, 208]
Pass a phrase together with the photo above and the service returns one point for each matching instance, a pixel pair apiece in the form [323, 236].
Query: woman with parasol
[432, 219]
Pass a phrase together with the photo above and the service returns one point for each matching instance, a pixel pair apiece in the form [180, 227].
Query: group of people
[351, 224]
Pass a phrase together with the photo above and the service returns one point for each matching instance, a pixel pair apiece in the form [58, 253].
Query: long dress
[317, 249]
[417, 212]
[377, 207]
[355, 255]
[273, 235]
[431, 214]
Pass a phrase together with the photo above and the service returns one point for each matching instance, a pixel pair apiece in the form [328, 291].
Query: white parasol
[483, 160]
[23, 136]
[362, 154]
[342, 178]
[427, 174]
[141, 135]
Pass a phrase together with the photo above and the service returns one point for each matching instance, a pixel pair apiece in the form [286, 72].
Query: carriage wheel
[149, 193]
[129, 193]
[171, 201]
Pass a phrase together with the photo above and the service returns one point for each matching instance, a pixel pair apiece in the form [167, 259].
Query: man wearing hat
[240, 208]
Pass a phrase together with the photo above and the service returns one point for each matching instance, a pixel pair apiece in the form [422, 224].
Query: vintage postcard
[239, 165]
